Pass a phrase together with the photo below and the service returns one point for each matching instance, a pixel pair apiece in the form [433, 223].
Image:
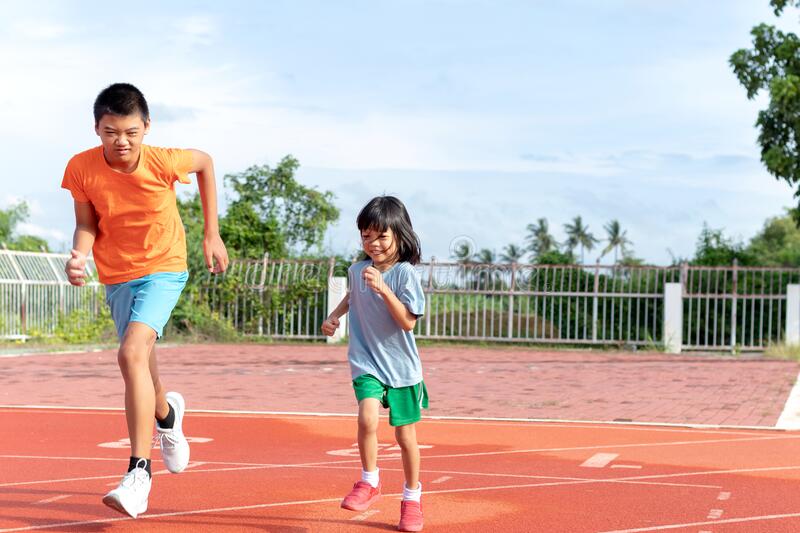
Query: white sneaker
[130, 496]
[174, 446]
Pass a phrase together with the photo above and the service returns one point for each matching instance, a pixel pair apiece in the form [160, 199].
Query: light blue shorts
[149, 299]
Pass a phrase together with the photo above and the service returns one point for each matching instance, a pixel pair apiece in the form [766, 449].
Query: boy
[126, 213]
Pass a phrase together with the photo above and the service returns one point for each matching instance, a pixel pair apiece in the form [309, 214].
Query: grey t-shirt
[378, 345]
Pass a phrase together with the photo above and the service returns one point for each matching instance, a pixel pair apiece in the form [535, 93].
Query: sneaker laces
[137, 477]
[168, 440]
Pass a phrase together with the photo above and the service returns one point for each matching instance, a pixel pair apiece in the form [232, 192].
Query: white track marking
[714, 523]
[442, 479]
[714, 514]
[53, 499]
[364, 516]
[459, 420]
[724, 496]
[599, 460]
[284, 504]
[790, 416]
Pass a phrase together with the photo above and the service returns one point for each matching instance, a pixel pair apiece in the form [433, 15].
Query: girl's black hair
[120, 99]
[384, 212]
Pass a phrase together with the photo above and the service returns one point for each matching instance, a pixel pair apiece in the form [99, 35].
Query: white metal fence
[723, 308]
[35, 293]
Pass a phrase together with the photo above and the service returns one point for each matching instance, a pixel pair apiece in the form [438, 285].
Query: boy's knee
[131, 356]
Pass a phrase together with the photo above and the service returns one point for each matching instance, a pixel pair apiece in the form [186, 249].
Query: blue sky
[481, 115]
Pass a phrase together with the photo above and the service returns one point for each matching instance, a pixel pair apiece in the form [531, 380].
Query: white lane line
[715, 514]
[53, 499]
[724, 496]
[67, 525]
[442, 479]
[632, 467]
[790, 416]
[162, 472]
[714, 523]
[457, 420]
[599, 460]
[364, 516]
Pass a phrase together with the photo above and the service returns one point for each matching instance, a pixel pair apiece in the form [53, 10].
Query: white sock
[373, 478]
[413, 495]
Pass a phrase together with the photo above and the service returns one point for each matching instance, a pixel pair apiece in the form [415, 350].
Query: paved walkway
[463, 381]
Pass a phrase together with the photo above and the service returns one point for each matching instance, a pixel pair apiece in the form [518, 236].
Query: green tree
[773, 64]
[462, 253]
[617, 240]
[512, 253]
[540, 241]
[713, 248]
[485, 256]
[273, 212]
[10, 218]
[556, 257]
[579, 235]
[778, 242]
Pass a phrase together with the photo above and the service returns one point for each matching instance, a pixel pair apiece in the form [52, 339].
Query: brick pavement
[512, 382]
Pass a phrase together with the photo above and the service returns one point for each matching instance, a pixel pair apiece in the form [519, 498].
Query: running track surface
[287, 473]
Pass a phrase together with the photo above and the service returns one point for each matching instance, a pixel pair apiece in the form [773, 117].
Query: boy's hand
[215, 253]
[330, 326]
[374, 279]
[76, 268]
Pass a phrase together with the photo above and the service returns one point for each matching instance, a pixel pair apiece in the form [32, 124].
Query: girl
[385, 300]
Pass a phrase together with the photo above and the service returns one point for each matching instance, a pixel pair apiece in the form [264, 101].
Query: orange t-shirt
[139, 230]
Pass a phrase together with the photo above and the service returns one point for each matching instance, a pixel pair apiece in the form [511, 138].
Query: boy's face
[380, 246]
[122, 139]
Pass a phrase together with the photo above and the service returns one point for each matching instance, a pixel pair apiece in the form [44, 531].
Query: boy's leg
[140, 399]
[162, 407]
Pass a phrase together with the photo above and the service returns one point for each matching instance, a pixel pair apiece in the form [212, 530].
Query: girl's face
[380, 246]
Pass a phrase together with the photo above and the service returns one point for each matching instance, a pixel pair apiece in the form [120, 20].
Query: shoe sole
[113, 502]
[363, 507]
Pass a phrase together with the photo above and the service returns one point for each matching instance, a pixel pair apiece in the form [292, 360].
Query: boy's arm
[82, 242]
[213, 248]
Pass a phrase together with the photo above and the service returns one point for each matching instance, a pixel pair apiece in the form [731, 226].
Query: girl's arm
[331, 323]
[82, 242]
[400, 313]
[213, 248]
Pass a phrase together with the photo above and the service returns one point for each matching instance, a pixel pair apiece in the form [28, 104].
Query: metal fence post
[735, 276]
[792, 335]
[428, 299]
[673, 317]
[596, 299]
[337, 289]
[511, 290]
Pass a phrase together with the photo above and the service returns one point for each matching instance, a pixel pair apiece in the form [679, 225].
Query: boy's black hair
[388, 212]
[120, 99]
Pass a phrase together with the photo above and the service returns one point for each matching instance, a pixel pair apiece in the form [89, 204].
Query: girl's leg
[133, 359]
[162, 407]
[368, 409]
[407, 439]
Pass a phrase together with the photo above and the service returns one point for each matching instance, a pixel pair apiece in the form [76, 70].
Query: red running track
[288, 474]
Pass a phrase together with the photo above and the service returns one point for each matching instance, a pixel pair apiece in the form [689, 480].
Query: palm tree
[539, 238]
[579, 235]
[512, 254]
[462, 253]
[617, 239]
[486, 256]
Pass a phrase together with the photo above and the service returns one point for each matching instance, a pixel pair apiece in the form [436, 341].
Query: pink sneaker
[410, 516]
[361, 497]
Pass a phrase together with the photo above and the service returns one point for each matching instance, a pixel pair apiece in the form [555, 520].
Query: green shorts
[404, 403]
